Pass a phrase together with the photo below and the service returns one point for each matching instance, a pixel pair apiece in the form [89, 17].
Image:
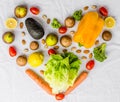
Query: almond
[56, 47]
[86, 8]
[78, 51]
[43, 41]
[23, 34]
[44, 17]
[96, 42]
[73, 48]
[90, 55]
[23, 42]
[48, 21]
[64, 50]
[86, 51]
[21, 25]
[94, 6]
[83, 57]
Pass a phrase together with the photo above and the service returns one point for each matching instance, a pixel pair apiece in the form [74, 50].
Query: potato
[34, 45]
[66, 41]
[21, 60]
[69, 22]
[106, 35]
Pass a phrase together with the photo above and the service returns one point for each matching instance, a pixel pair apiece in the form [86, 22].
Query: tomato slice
[103, 11]
[90, 64]
[35, 10]
[62, 29]
[51, 51]
[12, 51]
[59, 96]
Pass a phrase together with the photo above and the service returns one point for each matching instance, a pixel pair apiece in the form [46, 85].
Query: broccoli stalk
[99, 52]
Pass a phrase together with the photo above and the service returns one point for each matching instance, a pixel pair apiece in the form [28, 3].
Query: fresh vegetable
[80, 45]
[103, 11]
[62, 29]
[12, 51]
[8, 37]
[35, 10]
[106, 35]
[21, 60]
[11, 23]
[40, 81]
[34, 28]
[55, 23]
[51, 39]
[69, 22]
[66, 41]
[20, 11]
[90, 64]
[34, 45]
[99, 52]
[77, 15]
[35, 59]
[89, 29]
[60, 96]
[110, 22]
[77, 82]
[61, 71]
[51, 51]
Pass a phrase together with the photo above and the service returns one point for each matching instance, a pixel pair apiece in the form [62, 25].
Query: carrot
[40, 81]
[78, 81]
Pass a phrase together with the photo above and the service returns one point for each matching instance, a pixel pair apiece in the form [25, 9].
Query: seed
[90, 55]
[94, 6]
[73, 48]
[78, 51]
[23, 42]
[26, 50]
[64, 50]
[23, 34]
[84, 57]
[96, 42]
[72, 32]
[48, 21]
[56, 47]
[44, 17]
[21, 25]
[86, 51]
[86, 8]
[43, 41]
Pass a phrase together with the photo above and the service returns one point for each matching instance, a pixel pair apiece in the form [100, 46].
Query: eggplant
[34, 28]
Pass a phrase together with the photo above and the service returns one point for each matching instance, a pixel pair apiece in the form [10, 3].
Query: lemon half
[11, 23]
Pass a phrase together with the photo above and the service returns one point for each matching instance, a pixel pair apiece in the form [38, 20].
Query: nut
[44, 17]
[26, 50]
[43, 41]
[48, 21]
[96, 42]
[23, 42]
[86, 8]
[23, 34]
[34, 45]
[83, 57]
[94, 6]
[78, 51]
[64, 50]
[90, 55]
[73, 48]
[46, 46]
[56, 47]
[72, 32]
[21, 25]
[86, 51]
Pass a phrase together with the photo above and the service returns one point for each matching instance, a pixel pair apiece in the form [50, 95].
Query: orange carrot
[40, 81]
[78, 81]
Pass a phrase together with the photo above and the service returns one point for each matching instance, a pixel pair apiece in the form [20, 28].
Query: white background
[103, 82]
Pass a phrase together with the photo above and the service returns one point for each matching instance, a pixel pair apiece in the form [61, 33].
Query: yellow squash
[89, 29]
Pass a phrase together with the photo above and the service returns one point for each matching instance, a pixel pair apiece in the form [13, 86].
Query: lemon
[35, 59]
[110, 22]
[11, 23]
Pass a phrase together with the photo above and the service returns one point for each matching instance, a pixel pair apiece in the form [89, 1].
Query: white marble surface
[103, 82]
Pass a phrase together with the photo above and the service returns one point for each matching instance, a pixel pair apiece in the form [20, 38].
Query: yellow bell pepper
[89, 29]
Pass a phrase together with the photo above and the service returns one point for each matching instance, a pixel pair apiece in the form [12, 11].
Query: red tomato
[62, 29]
[90, 64]
[12, 51]
[51, 51]
[103, 11]
[35, 10]
[59, 96]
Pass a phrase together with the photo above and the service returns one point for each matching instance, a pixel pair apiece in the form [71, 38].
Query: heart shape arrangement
[61, 74]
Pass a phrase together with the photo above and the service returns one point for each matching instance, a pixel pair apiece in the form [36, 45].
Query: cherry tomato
[90, 64]
[51, 51]
[59, 96]
[12, 51]
[35, 10]
[62, 29]
[103, 11]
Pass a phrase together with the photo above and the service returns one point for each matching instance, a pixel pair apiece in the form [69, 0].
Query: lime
[11, 23]
[110, 22]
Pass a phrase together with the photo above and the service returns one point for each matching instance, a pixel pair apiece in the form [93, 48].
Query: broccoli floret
[55, 23]
[77, 15]
[99, 52]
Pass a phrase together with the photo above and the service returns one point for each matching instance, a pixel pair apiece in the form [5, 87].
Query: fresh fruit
[106, 35]
[60, 96]
[103, 11]
[69, 22]
[51, 51]
[11, 23]
[34, 28]
[21, 60]
[12, 51]
[8, 37]
[34, 10]
[90, 64]
[35, 59]
[34, 45]
[66, 41]
[20, 11]
[62, 29]
[51, 39]
[110, 22]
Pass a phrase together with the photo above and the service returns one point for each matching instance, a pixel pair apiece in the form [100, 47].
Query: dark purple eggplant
[34, 28]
